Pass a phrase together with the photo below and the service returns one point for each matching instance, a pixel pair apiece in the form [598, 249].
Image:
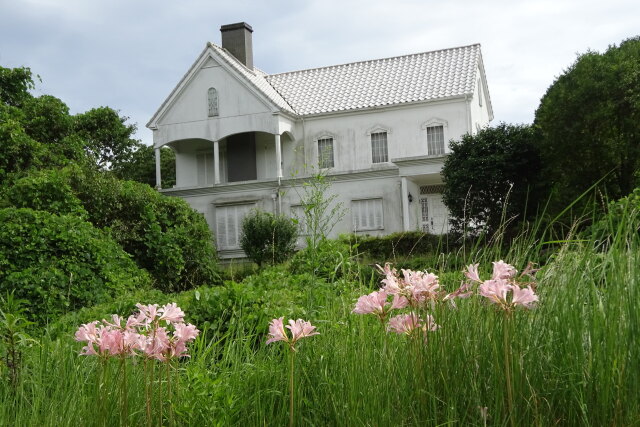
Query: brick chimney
[236, 38]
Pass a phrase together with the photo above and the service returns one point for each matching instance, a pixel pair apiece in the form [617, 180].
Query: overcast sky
[129, 54]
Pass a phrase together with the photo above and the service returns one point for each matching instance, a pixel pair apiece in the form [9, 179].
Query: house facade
[379, 129]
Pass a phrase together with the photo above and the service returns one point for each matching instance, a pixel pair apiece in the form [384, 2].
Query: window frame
[323, 139]
[223, 244]
[357, 224]
[376, 130]
[434, 123]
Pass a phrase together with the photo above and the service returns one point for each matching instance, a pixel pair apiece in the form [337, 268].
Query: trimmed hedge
[400, 245]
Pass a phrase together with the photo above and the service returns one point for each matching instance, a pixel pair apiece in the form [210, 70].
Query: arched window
[213, 102]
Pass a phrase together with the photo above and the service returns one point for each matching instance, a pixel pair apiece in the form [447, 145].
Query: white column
[158, 176]
[216, 162]
[405, 205]
[278, 156]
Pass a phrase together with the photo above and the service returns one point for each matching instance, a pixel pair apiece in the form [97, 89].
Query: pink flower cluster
[154, 332]
[502, 283]
[299, 329]
[414, 289]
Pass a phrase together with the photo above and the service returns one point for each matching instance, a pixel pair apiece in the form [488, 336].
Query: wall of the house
[406, 134]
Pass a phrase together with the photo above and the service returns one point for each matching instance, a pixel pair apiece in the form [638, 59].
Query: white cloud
[129, 55]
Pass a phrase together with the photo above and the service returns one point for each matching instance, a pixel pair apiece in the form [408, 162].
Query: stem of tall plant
[101, 390]
[124, 398]
[506, 327]
[147, 390]
[169, 392]
[291, 357]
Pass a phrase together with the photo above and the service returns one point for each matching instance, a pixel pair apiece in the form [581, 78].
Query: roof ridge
[369, 60]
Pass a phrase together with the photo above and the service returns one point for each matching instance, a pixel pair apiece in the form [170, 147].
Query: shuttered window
[205, 168]
[367, 214]
[229, 225]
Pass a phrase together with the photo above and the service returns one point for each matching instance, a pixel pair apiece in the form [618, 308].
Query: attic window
[212, 97]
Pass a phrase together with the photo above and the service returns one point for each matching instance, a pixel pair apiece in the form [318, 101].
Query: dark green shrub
[399, 245]
[268, 238]
[59, 263]
[46, 190]
[163, 234]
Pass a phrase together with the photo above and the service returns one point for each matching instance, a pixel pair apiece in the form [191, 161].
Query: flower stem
[291, 356]
[124, 404]
[147, 390]
[507, 366]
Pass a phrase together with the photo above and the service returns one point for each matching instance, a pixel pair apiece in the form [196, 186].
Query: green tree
[268, 238]
[15, 84]
[590, 124]
[492, 176]
[141, 166]
[108, 138]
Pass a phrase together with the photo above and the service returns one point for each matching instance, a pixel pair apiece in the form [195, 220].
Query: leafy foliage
[164, 235]
[590, 123]
[330, 260]
[15, 84]
[60, 263]
[268, 238]
[491, 177]
[46, 190]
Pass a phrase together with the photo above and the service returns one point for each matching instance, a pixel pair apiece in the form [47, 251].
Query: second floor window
[325, 153]
[379, 153]
[435, 140]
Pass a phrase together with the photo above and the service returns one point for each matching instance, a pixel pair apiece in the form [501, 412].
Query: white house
[380, 129]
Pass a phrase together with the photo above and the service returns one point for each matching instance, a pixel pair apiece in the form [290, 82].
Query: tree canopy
[492, 176]
[590, 124]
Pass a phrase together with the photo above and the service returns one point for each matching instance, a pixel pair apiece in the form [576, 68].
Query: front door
[435, 215]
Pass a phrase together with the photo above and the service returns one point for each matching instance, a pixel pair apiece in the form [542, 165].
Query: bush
[330, 260]
[267, 237]
[59, 263]
[164, 235]
[46, 190]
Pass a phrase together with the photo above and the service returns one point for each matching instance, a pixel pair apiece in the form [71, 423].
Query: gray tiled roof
[390, 81]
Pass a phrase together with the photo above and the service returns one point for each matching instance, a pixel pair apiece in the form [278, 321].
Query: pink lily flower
[172, 313]
[523, 296]
[404, 323]
[502, 270]
[472, 273]
[299, 329]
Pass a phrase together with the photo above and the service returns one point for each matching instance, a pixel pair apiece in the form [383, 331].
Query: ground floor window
[229, 225]
[367, 214]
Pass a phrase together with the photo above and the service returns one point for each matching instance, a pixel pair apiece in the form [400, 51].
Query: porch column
[216, 162]
[158, 176]
[405, 205]
[278, 155]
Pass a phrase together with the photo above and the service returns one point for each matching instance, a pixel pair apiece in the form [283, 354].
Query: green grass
[574, 359]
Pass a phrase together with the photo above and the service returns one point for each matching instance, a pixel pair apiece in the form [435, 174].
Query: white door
[435, 215]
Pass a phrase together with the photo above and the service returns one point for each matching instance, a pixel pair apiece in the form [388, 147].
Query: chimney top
[236, 26]
[237, 39]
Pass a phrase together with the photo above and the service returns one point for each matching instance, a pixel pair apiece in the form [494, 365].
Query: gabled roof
[411, 78]
[426, 76]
